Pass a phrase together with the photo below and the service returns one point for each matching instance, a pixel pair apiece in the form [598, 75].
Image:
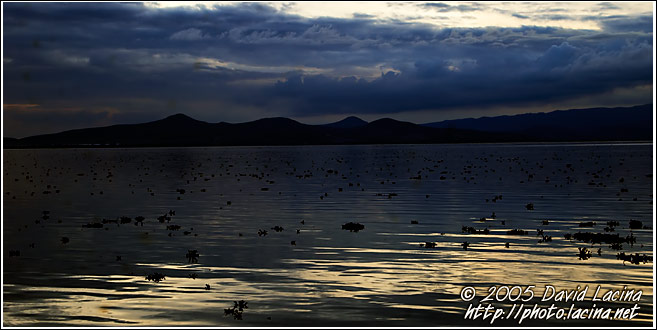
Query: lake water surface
[322, 275]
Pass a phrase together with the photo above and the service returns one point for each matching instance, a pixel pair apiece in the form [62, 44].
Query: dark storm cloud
[443, 7]
[623, 24]
[127, 61]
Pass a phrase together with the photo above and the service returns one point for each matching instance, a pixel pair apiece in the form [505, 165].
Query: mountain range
[597, 124]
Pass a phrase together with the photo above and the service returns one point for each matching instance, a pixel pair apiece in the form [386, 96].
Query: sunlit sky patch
[570, 15]
[87, 64]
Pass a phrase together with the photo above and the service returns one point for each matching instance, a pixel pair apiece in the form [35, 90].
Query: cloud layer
[106, 63]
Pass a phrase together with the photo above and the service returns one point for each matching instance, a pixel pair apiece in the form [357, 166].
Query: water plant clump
[192, 255]
[353, 226]
[155, 277]
[237, 310]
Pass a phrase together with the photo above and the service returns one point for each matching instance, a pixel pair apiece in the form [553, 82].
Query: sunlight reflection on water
[322, 274]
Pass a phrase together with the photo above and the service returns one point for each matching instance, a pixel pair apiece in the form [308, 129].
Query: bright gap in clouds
[449, 14]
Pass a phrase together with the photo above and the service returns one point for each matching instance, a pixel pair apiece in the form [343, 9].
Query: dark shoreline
[310, 145]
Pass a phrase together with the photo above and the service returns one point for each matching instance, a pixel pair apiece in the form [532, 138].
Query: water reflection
[403, 195]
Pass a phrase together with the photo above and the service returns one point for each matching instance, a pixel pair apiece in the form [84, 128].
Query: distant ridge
[349, 122]
[593, 124]
[599, 124]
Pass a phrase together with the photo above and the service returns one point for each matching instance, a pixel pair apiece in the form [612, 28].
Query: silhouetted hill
[595, 124]
[349, 122]
[180, 130]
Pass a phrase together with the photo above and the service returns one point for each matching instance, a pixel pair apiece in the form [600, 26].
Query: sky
[76, 65]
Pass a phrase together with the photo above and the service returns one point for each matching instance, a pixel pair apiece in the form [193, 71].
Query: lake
[80, 264]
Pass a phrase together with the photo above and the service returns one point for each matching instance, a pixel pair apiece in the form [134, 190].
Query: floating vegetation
[635, 259]
[262, 232]
[139, 220]
[587, 224]
[192, 255]
[465, 245]
[599, 238]
[93, 225]
[65, 240]
[14, 253]
[636, 224]
[472, 230]
[616, 246]
[584, 253]
[516, 232]
[163, 218]
[277, 229]
[155, 277]
[353, 227]
[237, 310]
[428, 245]
[529, 206]
[173, 227]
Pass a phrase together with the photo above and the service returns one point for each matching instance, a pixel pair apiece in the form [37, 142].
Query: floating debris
[529, 206]
[465, 245]
[428, 245]
[277, 229]
[155, 277]
[635, 259]
[516, 232]
[587, 224]
[472, 230]
[616, 246]
[14, 253]
[262, 232]
[139, 220]
[353, 227]
[545, 239]
[599, 238]
[584, 253]
[93, 225]
[192, 255]
[237, 310]
[65, 240]
[636, 224]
